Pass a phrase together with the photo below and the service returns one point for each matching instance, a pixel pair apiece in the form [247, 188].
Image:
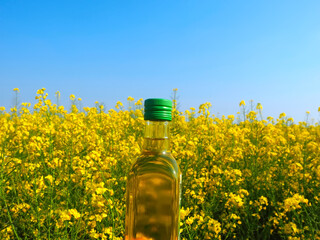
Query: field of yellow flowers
[63, 173]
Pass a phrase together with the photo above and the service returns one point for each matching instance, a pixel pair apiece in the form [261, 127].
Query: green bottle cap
[157, 109]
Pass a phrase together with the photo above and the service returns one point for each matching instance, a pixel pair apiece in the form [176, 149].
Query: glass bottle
[154, 181]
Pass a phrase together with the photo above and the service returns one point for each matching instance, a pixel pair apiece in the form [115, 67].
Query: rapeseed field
[63, 173]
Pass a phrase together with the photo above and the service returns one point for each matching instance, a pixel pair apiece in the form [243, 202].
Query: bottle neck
[156, 137]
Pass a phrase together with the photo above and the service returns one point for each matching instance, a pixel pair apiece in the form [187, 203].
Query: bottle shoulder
[155, 162]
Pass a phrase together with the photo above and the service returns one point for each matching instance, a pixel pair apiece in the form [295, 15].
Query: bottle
[154, 181]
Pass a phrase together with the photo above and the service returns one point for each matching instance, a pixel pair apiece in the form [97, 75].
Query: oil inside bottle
[153, 193]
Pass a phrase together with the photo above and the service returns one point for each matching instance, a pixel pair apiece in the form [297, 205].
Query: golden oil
[153, 189]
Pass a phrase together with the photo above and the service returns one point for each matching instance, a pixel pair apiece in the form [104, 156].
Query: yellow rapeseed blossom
[41, 91]
[65, 216]
[74, 213]
[259, 106]
[263, 200]
[184, 213]
[293, 203]
[139, 102]
[72, 97]
[119, 104]
[282, 115]
[63, 172]
[130, 99]
[50, 178]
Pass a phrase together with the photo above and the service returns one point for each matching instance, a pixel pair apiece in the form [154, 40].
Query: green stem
[8, 211]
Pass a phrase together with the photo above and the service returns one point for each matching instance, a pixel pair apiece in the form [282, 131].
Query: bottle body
[153, 189]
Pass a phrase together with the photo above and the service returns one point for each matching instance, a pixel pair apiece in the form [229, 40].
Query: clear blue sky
[212, 51]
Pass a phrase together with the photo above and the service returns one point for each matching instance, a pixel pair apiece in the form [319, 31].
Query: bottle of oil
[154, 181]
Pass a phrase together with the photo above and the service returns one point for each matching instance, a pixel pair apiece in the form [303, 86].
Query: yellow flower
[101, 190]
[65, 216]
[242, 103]
[82, 154]
[119, 104]
[293, 203]
[16, 90]
[234, 216]
[41, 91]
[130, 99]
[50, 178]
[259, 106]
[139, 102]
[214, 226]
[189, 220]
[263, 200]
[291, 228]
[74, 213]
[307, 112]
[94, 234]
[72, 97]
[234, 200]
[282, 115]
[184, 213]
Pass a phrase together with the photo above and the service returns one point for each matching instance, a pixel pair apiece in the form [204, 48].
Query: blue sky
[212, 51]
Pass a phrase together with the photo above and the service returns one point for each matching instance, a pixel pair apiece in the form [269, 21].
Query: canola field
[63, 173]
